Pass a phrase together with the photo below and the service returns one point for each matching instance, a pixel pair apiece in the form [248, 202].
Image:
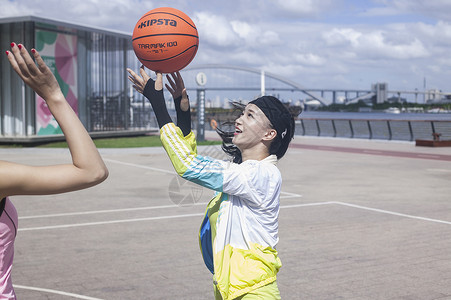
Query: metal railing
[404, 130]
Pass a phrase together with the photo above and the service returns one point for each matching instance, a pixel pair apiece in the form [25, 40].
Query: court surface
[359, 219]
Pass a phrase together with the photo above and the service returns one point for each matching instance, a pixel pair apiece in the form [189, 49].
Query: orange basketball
[165, 40]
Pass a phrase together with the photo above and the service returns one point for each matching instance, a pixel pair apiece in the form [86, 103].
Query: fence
[404, 130]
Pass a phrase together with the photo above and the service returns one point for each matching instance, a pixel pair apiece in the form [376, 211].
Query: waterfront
[375, 116]
[385, 126]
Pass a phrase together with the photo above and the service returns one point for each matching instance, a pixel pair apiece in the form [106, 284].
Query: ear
[270, 135]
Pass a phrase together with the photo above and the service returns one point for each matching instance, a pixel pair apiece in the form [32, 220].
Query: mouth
[237, 131]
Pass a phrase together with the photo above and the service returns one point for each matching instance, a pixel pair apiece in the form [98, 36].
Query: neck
[256, 153]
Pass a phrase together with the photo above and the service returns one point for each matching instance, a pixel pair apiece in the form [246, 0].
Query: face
[251, 128]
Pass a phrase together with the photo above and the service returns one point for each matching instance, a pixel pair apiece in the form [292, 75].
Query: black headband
[277, 114]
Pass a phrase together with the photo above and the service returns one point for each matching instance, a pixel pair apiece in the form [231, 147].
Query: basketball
[165, 40]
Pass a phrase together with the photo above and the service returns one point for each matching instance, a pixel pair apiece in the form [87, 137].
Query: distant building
[433, 95]
[380, 89]
[89, 64]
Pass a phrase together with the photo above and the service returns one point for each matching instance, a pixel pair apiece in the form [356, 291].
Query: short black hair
[280, 117]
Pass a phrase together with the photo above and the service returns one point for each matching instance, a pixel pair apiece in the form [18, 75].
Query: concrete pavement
[362, 224]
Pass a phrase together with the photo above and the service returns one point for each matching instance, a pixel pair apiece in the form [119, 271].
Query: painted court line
[139, 166]
[201, 214]
[105, 211]
[126, 220]
[289, 195]
[393, 213]
[16, 286]
[111, 222]
[306, 204]
[93, 212]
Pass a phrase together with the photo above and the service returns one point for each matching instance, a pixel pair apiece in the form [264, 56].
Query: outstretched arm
[153, 90]
[87, 168]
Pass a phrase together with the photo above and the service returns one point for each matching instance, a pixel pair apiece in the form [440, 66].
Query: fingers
[171, 82]
[143, 73]
[133, 76]
[172, 87]
[17, 61]
[169, 89]
[12, 61]
[138, 89]
[177, 75]
[176, 84]
[30, 65]
[23, 63]
[41, 64]
[179, 79]
[137, 81]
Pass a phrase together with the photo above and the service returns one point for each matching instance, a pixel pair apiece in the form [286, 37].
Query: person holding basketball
[87, 168]
[239, 233]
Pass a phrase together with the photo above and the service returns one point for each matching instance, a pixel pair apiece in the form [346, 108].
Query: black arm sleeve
[183, 117]
[156, 99]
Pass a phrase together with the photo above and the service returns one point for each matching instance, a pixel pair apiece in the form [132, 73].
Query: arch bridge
[241, 81]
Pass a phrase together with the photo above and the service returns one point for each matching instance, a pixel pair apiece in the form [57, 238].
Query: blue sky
[317, 43]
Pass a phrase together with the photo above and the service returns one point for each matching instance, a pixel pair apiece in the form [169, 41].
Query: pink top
[8, 231]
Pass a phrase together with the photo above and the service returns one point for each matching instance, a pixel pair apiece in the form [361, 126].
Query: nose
[238, 121]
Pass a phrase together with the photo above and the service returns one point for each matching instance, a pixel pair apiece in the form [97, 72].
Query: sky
[331, 44]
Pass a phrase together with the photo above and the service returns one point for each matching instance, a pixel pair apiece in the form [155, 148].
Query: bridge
[227, 78]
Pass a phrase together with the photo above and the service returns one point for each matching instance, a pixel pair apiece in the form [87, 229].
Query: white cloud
[342, 37]
[380, 11]
[439, 34]
[216, 30]
[247, 57]
[12, 9]
[437, 9]
[309, 59]
[244, 30]
[376, 44]
[254, 36]
[308, 8]
[111, 14]
[332, 51]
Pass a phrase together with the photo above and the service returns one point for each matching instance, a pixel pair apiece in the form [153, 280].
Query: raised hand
[38, 77]
[139, 81]
[87, 167]
[177, 88]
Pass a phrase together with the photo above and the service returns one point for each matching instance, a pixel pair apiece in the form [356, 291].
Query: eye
[250, 115]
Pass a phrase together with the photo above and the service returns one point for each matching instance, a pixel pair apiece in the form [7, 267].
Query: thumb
[159, 82]
[184, 103]
[184, 95]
